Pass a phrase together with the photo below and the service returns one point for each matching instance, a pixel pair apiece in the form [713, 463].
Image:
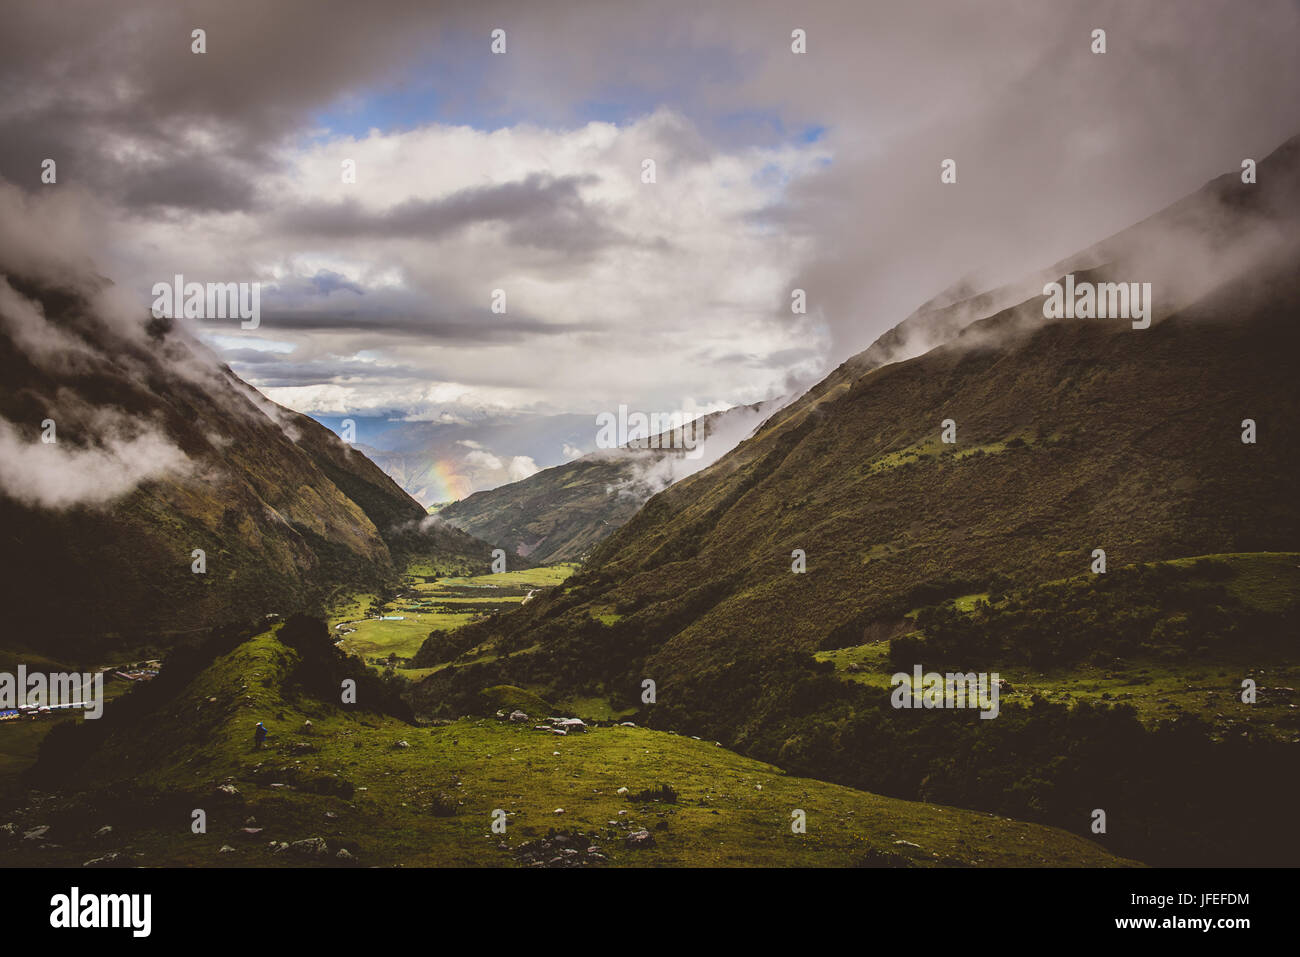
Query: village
[121, 674]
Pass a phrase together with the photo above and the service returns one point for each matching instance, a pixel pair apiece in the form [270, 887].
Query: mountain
[561, 513]
[1071, 435]
[158, 450]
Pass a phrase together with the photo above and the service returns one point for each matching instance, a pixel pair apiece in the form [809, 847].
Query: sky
[522, 171]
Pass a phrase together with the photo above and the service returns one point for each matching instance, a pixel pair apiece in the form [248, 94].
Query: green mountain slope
[161, 450]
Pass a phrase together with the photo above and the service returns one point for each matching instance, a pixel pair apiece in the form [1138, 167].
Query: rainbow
[446, 484]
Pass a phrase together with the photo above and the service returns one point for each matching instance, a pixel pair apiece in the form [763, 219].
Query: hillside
[160, 450]
[560, 514]
[392, 794]
[1071, 435]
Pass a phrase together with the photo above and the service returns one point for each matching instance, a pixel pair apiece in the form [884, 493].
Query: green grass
[1157, 688]
[730, 811]
[427, 606]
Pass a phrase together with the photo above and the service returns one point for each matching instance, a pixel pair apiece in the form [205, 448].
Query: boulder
[641, 838]
[309, 847]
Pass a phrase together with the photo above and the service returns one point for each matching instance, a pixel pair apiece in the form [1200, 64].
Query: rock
[572, 725]
[279, 847]
[400, 745]
[518, 717]
[9, 833]
[36, 833]
[104, 831]
[227, 789]
[226, 849]
[559, 810]
[251, 831]
[306, 727]
[641, 838]
[626, 724]
[105, 861]
[621, 791]
[909, 844]
[344, 855]
[309, 847]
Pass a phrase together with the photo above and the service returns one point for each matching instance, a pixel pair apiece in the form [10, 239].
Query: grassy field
[395, 794]
[425, 603]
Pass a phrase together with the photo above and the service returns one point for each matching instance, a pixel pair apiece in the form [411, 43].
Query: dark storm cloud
[81, 76]
[467, 326]
[540, 210]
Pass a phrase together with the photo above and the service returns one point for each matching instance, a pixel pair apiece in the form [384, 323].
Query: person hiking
[259, 735]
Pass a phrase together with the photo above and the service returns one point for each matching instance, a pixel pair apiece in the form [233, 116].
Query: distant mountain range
[451, 457]
[560, 514]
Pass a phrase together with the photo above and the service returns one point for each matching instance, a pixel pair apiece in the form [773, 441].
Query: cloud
[522, 466]
[60, 476]
[522, 172]
[483, 460]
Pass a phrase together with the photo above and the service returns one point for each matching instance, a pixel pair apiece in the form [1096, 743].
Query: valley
[655, 682]
[423, 603]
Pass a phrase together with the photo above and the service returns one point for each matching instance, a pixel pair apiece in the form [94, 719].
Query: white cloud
[522, 466]
[682, 287]
[60, 476]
